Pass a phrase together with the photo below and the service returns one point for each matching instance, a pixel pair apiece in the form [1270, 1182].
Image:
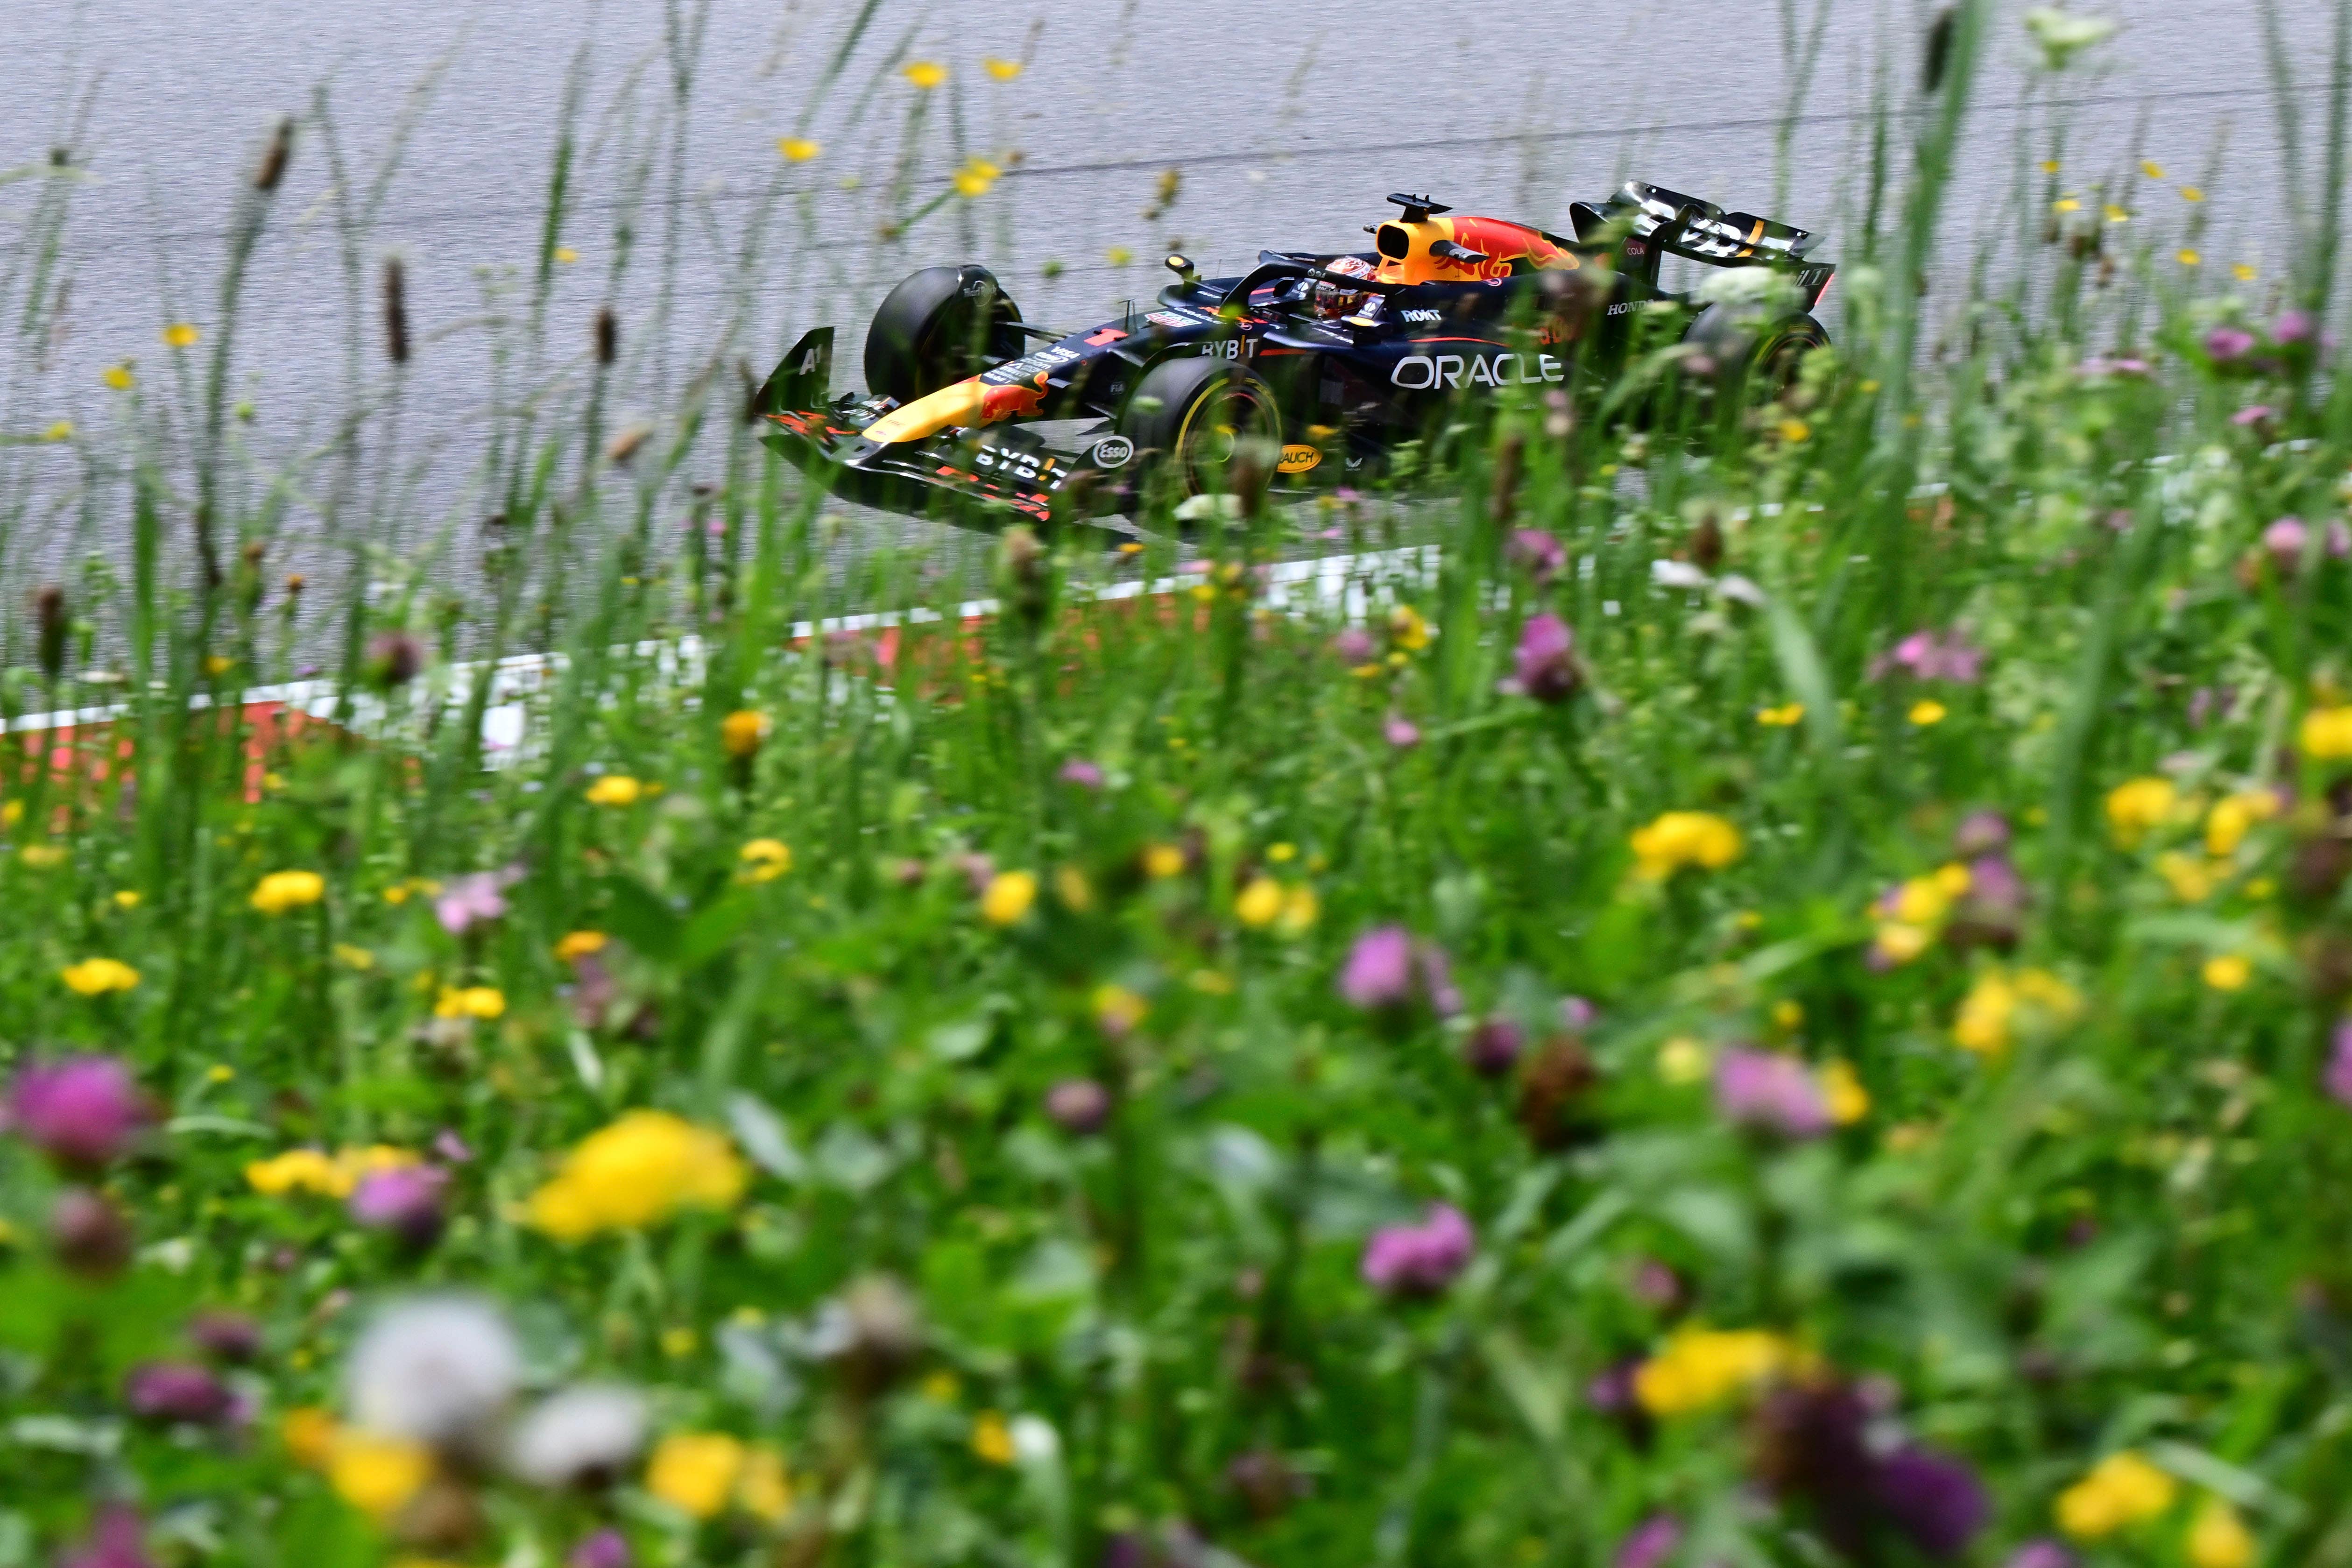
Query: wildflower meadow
[1763, 983]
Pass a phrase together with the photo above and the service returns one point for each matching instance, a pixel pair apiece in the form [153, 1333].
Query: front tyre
[1191, 416]
[942, 325]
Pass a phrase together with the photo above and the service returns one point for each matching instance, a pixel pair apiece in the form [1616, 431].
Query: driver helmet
[1332, 298]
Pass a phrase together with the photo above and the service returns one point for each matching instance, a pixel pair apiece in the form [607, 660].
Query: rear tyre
[1188, 418]
[942, 325]
[1765, 359]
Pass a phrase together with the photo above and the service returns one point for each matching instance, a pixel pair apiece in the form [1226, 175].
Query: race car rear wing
[1672, 224]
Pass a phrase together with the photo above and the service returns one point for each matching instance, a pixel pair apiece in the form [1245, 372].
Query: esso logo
[1112, 452]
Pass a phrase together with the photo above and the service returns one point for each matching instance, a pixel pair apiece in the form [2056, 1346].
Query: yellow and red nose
[968, 401]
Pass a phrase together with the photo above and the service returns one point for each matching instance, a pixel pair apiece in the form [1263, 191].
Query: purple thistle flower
[1770, 1092]
[1354, 645]
[177, 1391]
[1577, 1015]
[478, 897]
[2251, 415]
[225, 1335]
[1541, 555]
[1387, 969]
[2223, 344]
[2285, 540]
[1980, 833]
[81, 1111]
[1400, 733]
[1652, 1542]
[1420, 1259]
[1544, 665]
[1079, 1105]
[2293, 327]
[2043, 1553]
[117, 1540]
[2338, 1077]
[1379, 972]
[1079, 772]
[1937, 1501]
[1935, 655]
[608, 1547]
[405, 1200]
[1494, 1046]
[452, 1149]
[91, 1236]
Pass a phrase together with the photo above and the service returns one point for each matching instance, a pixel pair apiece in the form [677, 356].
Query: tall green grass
[1147, 1334]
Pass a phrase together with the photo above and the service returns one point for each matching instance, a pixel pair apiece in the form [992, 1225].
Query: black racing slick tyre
[1766, 359]
[940, 326]
[1188, 416]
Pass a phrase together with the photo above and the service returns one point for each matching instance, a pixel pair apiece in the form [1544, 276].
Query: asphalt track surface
[1284, 126]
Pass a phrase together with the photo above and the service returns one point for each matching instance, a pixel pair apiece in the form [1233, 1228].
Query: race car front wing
[1004, 469]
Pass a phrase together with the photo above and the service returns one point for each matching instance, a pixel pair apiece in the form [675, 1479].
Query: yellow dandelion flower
[2188, 258]
[2228, 971]
[1683, 1060]
[565, 255]
[375, 1474]
[1003, 71]
[2135, 806]
[765, 860]
[2326, 733]
[1681, 838]
[766, 1491]
[182, 336]
[97, 976]
[42, 857]
[1926, 711]
[1259, 903]
[1796, 432]
[470, 1001]
[1782, 717]
[128, 898]
[1070, 885]
[1008, 897]
[2000, 1006]
[2234, 815]
[2148, 167]
[2122, 1490]
[970, 182]
[1407, 628]
[2115, 214]
[308, 1434]
[2217, 1538]
[1300, 909]
[1898, 942]
[579, 945]
[1119, 255]
[925, 74]
[2245, 272]
[2048, 165]
[2066, 205]
[1162, 860]
[282, 890]
[742, 731]
[60, 431]
[2192, 881]
[117, 376]
[616, 789]
[1703, 1367]
[696, 1472]
[797, 149]
[2191, 193]
[637, 1172]
[1847, 1100]
[991, 1440]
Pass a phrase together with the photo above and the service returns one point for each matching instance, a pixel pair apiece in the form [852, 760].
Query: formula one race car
[1327, 360]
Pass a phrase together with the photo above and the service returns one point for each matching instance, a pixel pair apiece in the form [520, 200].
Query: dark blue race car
[1328, 360]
